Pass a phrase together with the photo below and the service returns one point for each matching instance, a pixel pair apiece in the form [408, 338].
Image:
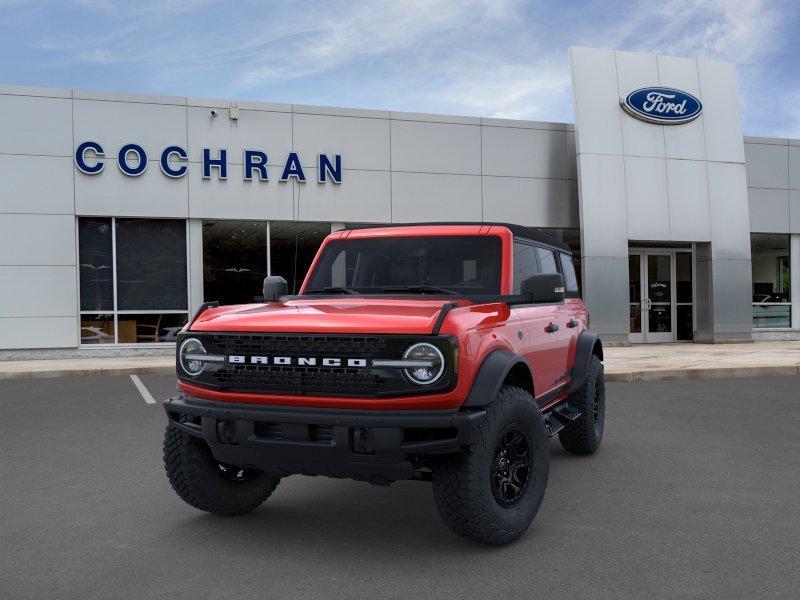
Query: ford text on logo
[663, 105]
[132, 161]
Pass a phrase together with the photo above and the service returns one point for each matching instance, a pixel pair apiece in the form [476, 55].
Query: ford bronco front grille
[298, 364]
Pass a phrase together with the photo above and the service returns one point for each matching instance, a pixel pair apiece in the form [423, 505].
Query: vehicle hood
[358, 315]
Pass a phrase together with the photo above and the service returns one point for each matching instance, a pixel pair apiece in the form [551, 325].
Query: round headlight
[187, 354]
[431, 363]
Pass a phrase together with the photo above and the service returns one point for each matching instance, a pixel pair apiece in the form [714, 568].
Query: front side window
[133, 280]
[771, 280]
[418, 264]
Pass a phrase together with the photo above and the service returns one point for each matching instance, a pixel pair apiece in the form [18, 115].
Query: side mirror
[544, 288]
[275, 286]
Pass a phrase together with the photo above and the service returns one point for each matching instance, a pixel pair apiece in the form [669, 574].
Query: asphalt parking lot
[694, 494]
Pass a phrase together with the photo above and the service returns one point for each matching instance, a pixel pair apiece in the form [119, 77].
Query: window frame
[115, 312]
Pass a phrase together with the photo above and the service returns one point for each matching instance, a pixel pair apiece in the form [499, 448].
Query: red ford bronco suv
[444, 353]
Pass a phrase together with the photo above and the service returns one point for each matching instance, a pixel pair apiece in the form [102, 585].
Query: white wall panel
[569, 153]
[688, 140]
[573, 206]
[114, 124]
[239, 199]
[435, 197]
[38, 332]
[152, 194]
[769, 210]
[36, 184]
[635, 70]
[594, 81]
[730, 213]
[436, 147]
[35, 125]
[647, 203]
[27, 239]
[363, 143]
[534, 202]
[270, 132]
[604, 215]
[722, 121]
[689, 216]
[794, 211]
[38, 291]
[794, 167]
[767, 166]
[364, 199]
[524, 152]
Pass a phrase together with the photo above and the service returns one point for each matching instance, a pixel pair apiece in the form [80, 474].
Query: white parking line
[148, 397]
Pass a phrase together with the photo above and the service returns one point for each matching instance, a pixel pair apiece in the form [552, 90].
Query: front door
[660, 295]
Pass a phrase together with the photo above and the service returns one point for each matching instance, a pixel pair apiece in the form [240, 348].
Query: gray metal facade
[689, 183]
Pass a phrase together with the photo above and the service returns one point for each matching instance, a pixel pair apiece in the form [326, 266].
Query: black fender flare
[588, 344]
[490, 377]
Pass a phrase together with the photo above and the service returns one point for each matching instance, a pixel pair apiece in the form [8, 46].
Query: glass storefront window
[151, 264]
[234, 261]
[133, 278]
[97, 328]
[771, 280]
[96, 264]
[683, 297]
[293, 247]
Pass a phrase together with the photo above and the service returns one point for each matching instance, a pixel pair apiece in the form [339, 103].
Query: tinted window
[547, 260]
[524, 264]
[463, 264]
[96, 264]
[151, 264]
[568, 269]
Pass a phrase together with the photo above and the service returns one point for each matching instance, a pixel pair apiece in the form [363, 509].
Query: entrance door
[660, 295]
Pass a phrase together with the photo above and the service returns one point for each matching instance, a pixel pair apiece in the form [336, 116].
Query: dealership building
[121, 213]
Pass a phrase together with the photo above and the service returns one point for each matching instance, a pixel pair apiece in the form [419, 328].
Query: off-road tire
[462, 484]
[584, 434]
[201, 481]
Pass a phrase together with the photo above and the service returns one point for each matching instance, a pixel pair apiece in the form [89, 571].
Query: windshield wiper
[418, 289]
[332, 290]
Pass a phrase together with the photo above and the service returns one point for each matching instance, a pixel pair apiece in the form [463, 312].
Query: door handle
[551, 328]
[572, 323]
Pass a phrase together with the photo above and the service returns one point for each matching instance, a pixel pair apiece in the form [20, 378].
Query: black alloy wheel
[511, 466]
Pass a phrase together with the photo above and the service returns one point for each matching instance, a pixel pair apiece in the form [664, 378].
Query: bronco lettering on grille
[301, 361]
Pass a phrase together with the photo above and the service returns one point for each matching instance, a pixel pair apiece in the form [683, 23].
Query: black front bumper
[375, 446]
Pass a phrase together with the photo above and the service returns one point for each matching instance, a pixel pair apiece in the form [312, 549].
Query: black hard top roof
[520, 231]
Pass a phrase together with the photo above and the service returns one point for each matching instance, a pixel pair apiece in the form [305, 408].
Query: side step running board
[560, 416]
[552, 425]
[566, 413]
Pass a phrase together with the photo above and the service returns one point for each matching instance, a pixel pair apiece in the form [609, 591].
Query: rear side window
[525, 264]
[547, 260]
[568, 270]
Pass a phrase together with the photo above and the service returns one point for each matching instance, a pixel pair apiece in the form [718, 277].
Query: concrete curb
[89, 372]
[731, 372]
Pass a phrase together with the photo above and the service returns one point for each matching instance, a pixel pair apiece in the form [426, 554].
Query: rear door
[559, 315]
[576, 311]
[538, 324]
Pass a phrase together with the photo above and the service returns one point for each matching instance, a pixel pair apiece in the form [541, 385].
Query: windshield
[417, 265]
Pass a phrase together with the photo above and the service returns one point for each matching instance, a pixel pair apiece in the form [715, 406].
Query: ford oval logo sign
[662, 105]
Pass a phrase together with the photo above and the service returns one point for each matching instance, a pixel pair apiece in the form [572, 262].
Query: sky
[488, 58]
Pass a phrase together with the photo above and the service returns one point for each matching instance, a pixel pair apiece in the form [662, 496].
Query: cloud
[505, 58]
